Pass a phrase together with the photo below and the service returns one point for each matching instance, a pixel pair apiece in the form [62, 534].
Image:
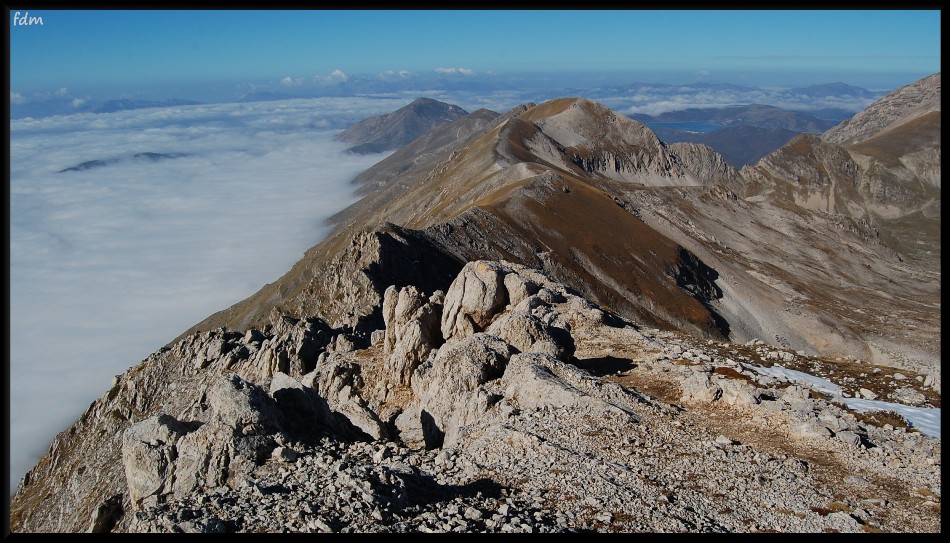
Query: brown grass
[602, 246]
[909, 137]
[731, 373]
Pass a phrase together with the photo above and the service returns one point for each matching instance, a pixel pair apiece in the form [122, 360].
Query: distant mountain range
[265, 97]
[748, 132]
[838, 96]
[832, 89]
[111, 106]
[137, 157]
[758, 115]
[393, 130]
[739, 145]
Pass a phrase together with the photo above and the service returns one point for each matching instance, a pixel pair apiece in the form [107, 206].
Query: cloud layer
[108, 264]
[658, 99]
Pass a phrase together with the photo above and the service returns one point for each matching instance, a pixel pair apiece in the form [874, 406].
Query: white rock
[867, 394]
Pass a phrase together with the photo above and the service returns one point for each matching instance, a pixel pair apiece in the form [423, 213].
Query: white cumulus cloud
[455, 71]
[338, 75]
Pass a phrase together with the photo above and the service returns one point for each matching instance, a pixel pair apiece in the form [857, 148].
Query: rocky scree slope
[505, 403]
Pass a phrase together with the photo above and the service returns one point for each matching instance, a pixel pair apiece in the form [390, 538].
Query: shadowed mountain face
[656, 233]
[393, 130]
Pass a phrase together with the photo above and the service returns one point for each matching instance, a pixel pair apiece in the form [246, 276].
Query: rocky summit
[549, 320]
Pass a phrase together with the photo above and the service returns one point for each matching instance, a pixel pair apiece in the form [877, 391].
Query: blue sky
[187, 49]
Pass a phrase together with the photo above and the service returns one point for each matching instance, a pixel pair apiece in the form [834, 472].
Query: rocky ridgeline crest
[497, 405]
[898, 107]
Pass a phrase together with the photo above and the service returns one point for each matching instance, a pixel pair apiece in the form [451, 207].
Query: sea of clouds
[109, 263]
[659, 99]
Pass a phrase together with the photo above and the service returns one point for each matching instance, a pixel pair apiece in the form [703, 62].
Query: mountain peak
[394, 130]
[435, 109]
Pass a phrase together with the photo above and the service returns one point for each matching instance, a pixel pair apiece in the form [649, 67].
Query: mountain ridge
[418, 203]
[551, 295]
[396, 129]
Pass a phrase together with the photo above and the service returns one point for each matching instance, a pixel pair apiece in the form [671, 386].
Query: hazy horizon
[221, 56]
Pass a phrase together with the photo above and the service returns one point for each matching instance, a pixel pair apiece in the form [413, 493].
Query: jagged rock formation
[546, 320]
[393, 130]
[486, 436]
[708, 165]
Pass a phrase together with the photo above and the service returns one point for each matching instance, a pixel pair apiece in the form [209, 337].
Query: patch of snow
[924, 419]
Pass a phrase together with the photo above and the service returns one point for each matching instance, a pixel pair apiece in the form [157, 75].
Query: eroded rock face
[293, 346]
[163, 456]
[412, 329]
[335, 383]
[447, 392]
[474, 298]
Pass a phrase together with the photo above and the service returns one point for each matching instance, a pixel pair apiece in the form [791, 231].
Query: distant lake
[690, 126]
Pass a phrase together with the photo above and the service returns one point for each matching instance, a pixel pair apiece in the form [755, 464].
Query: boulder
[908, 395]
[412, 330]
[527, 333]
[148, 455]
[447, 393]
[476, 295]
[698, 388]
[537, 380]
